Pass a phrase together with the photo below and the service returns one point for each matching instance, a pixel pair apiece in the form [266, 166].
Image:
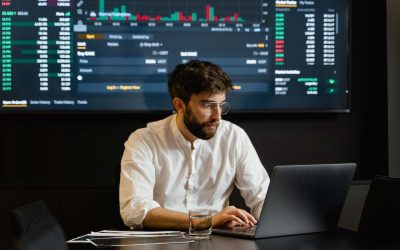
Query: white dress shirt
[159, 168]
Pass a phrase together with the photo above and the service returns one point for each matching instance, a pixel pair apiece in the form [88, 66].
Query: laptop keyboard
[249, 230]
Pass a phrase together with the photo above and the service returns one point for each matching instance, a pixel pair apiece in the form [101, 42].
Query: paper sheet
[126, 238]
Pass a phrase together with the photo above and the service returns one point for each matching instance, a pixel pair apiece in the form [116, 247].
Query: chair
[45, 235]
[36, 228]
[380, 218]
[25, 217]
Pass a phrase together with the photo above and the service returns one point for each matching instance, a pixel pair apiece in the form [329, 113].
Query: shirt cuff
[139, 208]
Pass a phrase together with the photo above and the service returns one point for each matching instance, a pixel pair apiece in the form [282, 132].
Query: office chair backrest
[36, 228]
[380, 218]
[44, 235]
[27, 216]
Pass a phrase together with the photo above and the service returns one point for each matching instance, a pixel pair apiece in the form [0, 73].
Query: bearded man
[191, 159]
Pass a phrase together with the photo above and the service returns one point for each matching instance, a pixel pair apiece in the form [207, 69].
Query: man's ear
[178, 104]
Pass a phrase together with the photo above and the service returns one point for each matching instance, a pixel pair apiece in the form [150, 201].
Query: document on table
[126, 238]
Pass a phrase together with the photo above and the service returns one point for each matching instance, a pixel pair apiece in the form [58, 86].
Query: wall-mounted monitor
[115, 55]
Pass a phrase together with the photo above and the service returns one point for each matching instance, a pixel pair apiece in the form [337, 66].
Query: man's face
[203, 121]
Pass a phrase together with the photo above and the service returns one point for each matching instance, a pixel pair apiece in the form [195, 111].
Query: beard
[205, 130]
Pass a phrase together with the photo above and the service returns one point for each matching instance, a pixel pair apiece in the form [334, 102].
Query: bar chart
[174, 11]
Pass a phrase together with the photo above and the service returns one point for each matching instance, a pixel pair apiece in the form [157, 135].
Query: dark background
[71, 161]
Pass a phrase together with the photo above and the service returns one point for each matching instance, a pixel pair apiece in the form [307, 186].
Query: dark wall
[70, 161]
[393, 54]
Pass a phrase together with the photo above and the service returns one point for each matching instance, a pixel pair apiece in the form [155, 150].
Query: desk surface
[322, 241]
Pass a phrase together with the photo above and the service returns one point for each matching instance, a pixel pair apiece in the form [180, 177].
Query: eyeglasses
[212, 106]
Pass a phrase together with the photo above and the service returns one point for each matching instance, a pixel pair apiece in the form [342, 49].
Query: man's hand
[232, 217]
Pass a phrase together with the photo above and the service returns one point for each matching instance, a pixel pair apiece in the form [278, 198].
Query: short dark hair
[195, 77]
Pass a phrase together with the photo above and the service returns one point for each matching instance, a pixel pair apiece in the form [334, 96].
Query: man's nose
[216, 112]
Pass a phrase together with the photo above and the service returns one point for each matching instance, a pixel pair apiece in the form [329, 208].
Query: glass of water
[200, 224]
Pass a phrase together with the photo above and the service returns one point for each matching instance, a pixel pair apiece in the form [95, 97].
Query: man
[191, 159]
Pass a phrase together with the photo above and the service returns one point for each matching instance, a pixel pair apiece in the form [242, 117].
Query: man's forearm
[163, 218]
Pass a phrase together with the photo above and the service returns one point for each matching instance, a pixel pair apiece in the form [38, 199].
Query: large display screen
[115, 55]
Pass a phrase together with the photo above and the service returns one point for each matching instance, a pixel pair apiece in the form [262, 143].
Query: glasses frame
[211, 106]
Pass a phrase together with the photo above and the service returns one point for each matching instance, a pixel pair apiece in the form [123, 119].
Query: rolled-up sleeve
[252, 179]
[137, 182]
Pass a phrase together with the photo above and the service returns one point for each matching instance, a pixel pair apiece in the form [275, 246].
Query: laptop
[300, 199]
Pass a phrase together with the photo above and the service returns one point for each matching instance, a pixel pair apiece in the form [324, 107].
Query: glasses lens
[225, 108]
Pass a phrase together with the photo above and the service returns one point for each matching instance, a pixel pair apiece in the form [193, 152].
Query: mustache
[212, 123]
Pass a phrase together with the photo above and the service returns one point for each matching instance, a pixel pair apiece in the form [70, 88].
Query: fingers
[244, 216]
[231, 224]
[251, 220]
[238, 217]
[237, 220]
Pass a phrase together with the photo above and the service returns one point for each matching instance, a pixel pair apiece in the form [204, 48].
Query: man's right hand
[231, 217]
